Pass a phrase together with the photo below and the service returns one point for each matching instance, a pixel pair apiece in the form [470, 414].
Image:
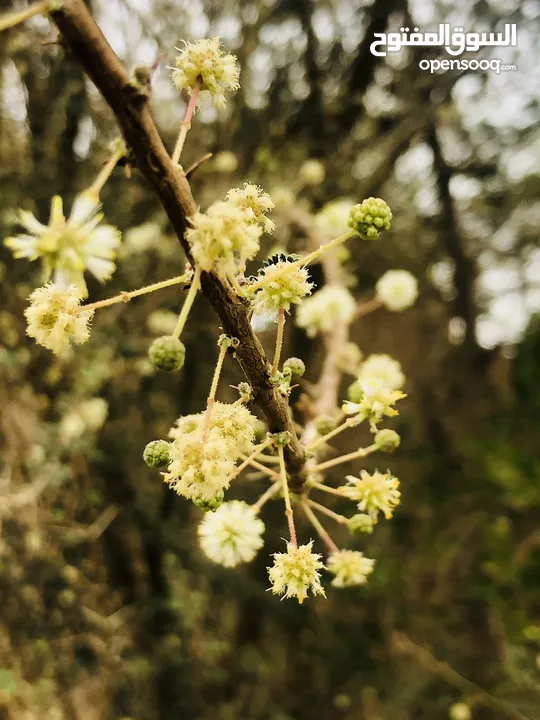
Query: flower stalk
[360, 453]
[11, 19]
[211, 401]
[349, 422]
[106, 171]
[341, 519]
[279, 340]
[253, 456]
[127, 296]
[186, 124]
[267, 495]
[288, 508]
[320, 530]
[188, 302]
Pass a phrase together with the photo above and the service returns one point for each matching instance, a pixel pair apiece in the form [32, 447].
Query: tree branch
[130, 106]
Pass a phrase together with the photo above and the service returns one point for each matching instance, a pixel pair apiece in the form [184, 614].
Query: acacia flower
[255, 202]
[69, 247]
[296, 572]
[375, 492]
[223, 238]
[350, 568]
[311, 172]
[397, 290]
[232, 534]
[375, 401]
[205, 63]
[319, 313]
[200, 468]
[281, 285]
[54, 319]
[384, 369]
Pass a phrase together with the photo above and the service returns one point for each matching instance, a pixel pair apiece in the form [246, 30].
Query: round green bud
[360, 523]
[246, 393]
[348, 358]
[211, 505]
[325, 424]
[387, 440]
[460, 711]
[282, 438]
[295, 365]
[157, 454]
[167, 353]
[355, 392]
[260, 430]
[370, 217]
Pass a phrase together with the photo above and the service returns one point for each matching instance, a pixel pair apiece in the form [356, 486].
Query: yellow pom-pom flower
[206, 63]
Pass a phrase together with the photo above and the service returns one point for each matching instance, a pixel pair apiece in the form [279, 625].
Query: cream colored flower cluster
[204, 63]
[320, 312]
[377, 400]
[232, 534]
[55, 319]
[203, 459]
[373, 492]
[283, 282]
[296, 572]
[228, 234]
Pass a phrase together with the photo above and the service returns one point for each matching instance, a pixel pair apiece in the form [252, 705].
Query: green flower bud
[157, 454]
[228, 342]
[260, 430]
[210, 505]
[282, 438]
[370, 217]
[167, 353]
[355, 392]
[387, 440]
[360, 523]
[295, 365]
[246, 393]
[325, 424]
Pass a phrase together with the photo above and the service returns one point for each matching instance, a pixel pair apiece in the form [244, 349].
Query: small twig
[127, 296]
[267, 495]
[279, 340]
[262, 468]
[325, 438]
[188, 302]
[11, 19]
[360, 453]
[186, 124]
[341, 519]
[196, 165]
[321, 532]
[326, 489]
[288, 509]
[253, 456]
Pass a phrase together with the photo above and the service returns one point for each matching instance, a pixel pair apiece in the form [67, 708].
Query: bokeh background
[109, 609]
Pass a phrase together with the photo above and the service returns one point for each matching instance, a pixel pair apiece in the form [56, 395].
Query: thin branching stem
[341, 519]
[360, 453]
[288, 508]
[127, 296]
[279, 340]
[188, 302]
[186, 124]
[267, 495]
[11, 19]
[253, 456]
[321, 532]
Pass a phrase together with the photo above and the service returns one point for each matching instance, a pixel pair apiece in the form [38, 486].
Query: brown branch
[130, 106]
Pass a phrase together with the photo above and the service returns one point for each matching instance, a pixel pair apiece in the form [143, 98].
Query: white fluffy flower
[319, 313]
[296, 572]
[350, 568]
[54, 317]
[201, 467]
[373, 493]
[69, 247]
[397, 290]
[255, 202]
[206, 63]
[281, 283]
[311, 172]
[384, 369]
[332, 219]
[223, 238]
[232, 534]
